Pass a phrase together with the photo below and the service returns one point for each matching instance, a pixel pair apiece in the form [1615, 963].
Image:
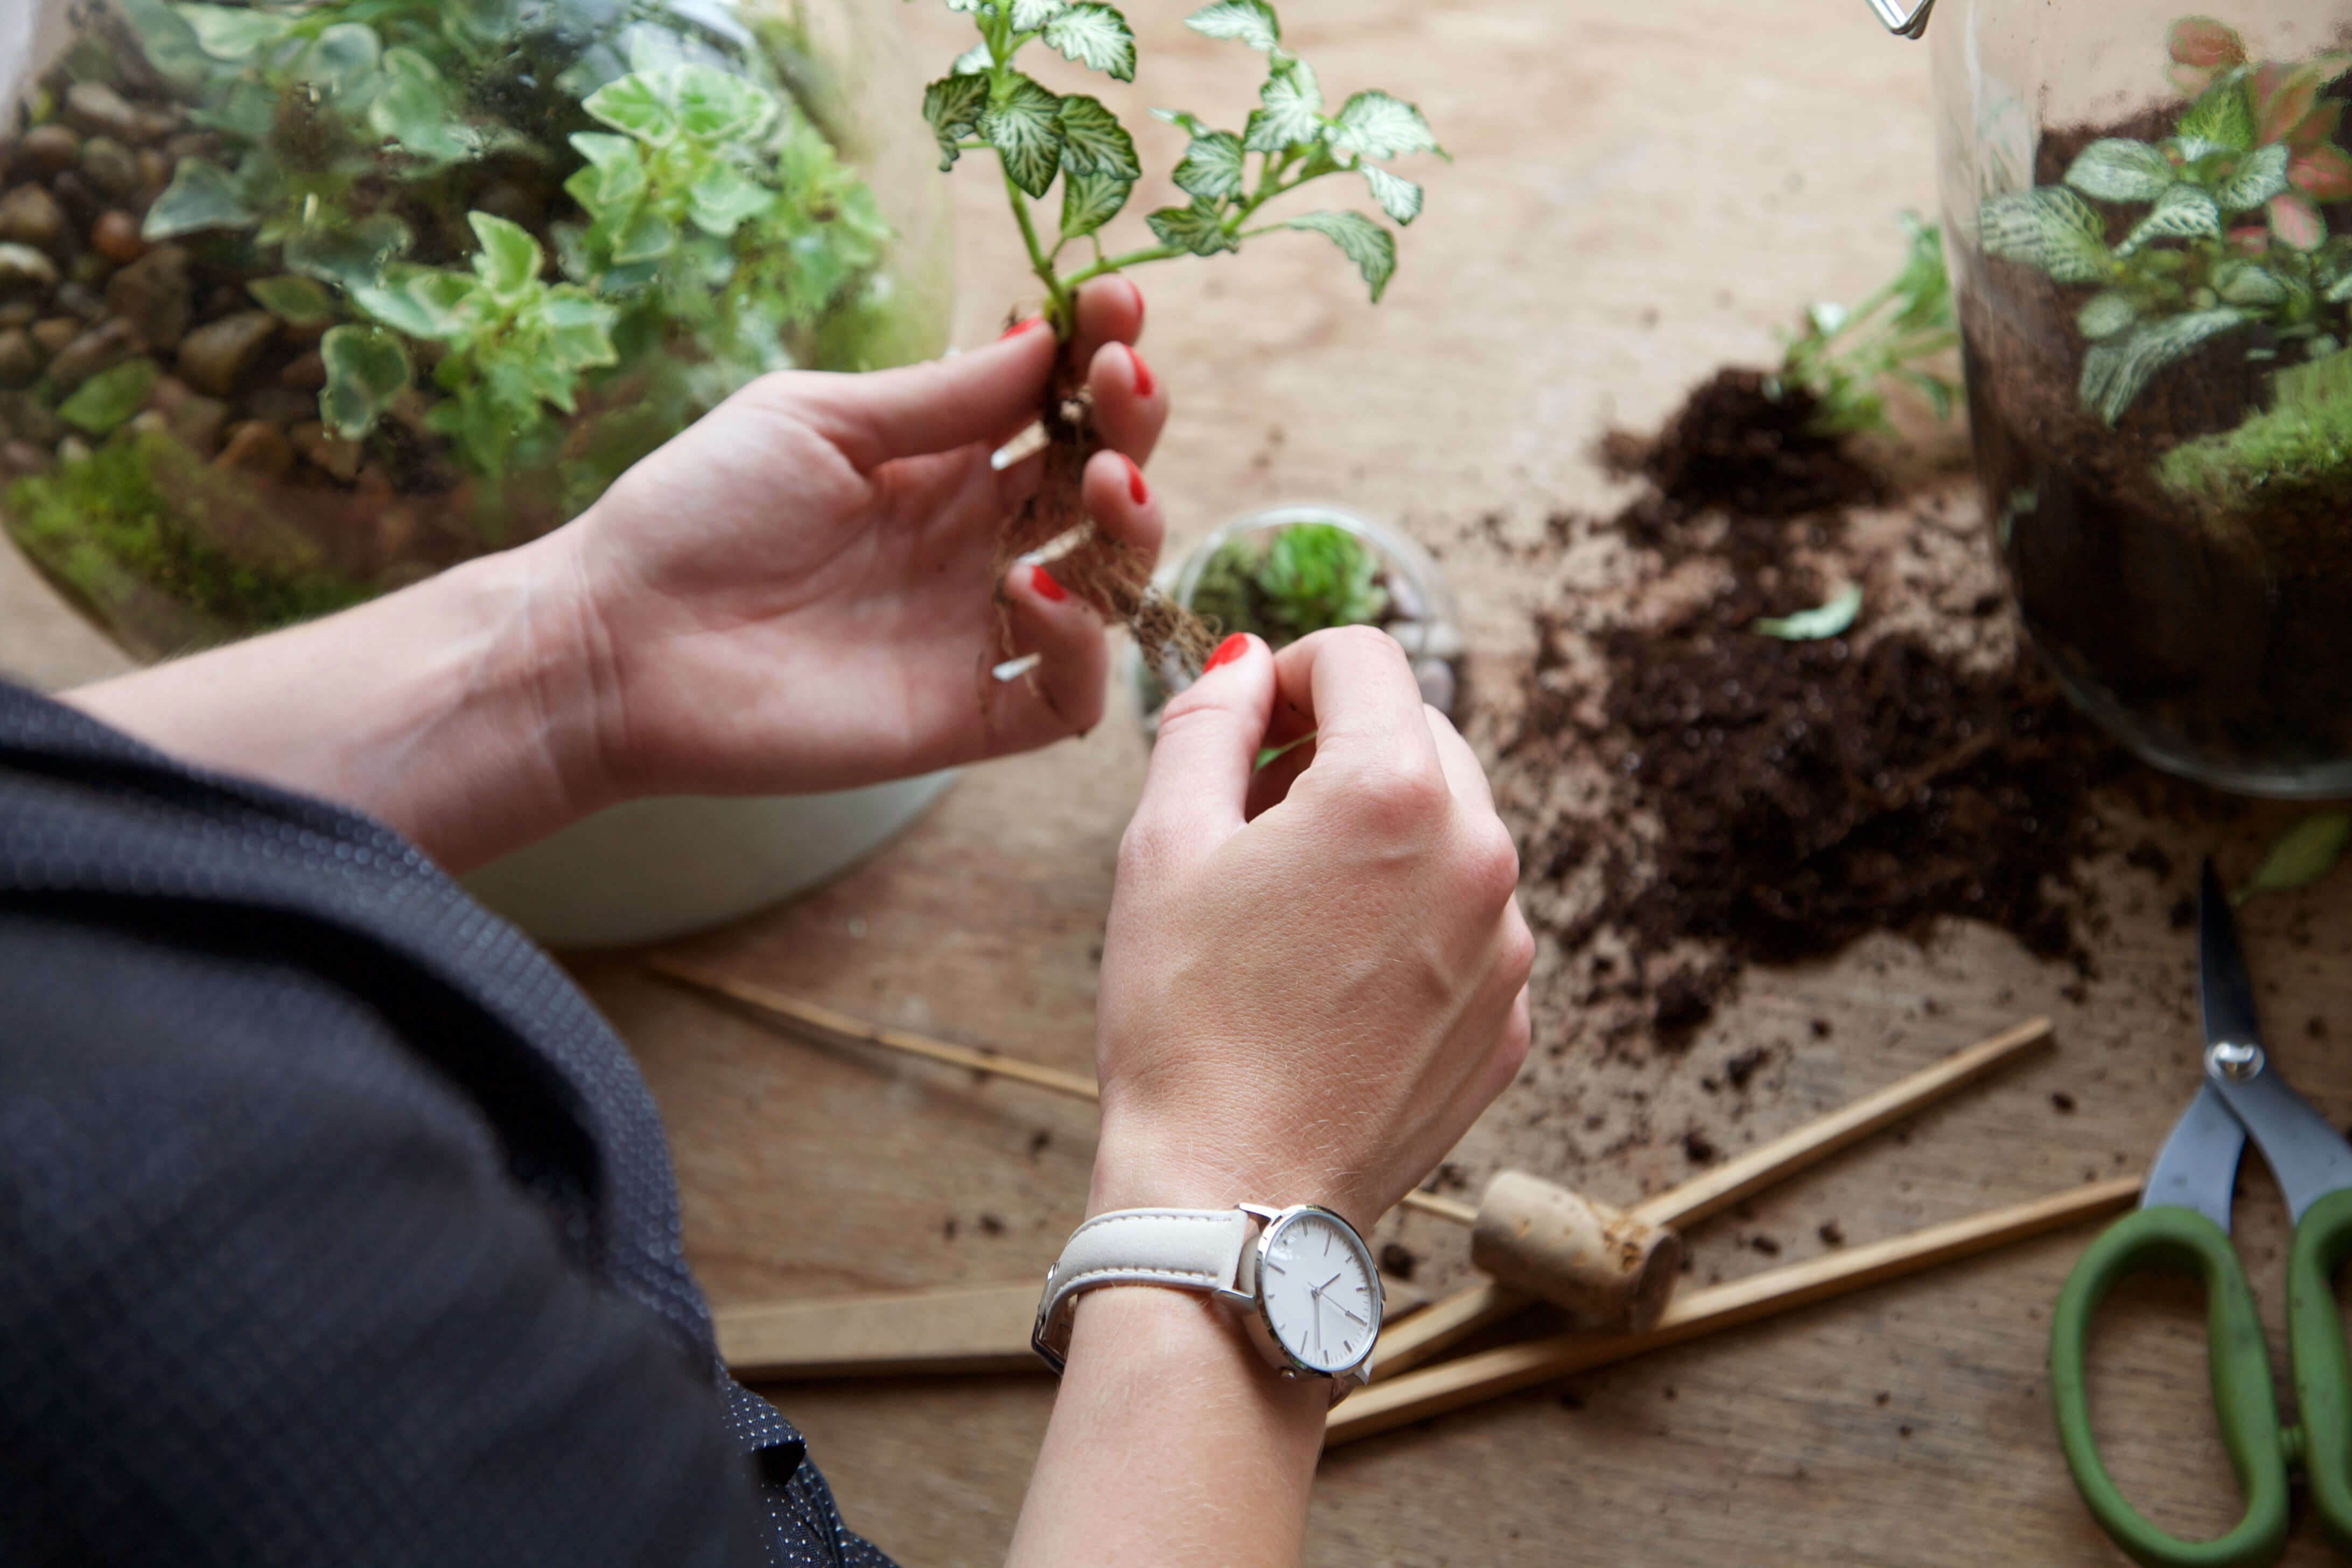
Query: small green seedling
[2303, 853]
[1843, 356]
[2232, 236]
[1818, 624]
[1294, 138]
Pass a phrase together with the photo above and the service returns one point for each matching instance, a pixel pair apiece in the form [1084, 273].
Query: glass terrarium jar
[302, 300]
[2150, 222]
[1281, 572]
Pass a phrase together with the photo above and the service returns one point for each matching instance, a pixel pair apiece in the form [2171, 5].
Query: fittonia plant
[1294, 138]
[2224, 229]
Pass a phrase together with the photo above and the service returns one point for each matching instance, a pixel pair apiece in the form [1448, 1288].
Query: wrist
[1207, 1170]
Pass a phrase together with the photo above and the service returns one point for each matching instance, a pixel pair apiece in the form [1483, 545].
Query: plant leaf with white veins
[1252, 22]
[1378, 126]
[2115, 372]
[1196, 229]
[1293, 111]
[2116, 169]
[2224, 113]
[1023, 123]
[1028, 16]
[1096, 37]
[1090, 201]
[1095, 142]
[2052, 228]
[1184, 120]
[1372, 248]
[953, 105]
[2262, 176]
[2104, 315]
[1399, 197]
[973, 61]
[1211, 165]
[2183, 211]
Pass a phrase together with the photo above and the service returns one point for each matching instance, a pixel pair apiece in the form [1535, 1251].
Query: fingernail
[1137, 490]
[1138, 301]
[1042, 582]
[1232, 648]
[1143, 381]
[1017, 328]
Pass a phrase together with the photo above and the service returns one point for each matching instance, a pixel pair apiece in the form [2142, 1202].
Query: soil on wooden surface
[1697, 796]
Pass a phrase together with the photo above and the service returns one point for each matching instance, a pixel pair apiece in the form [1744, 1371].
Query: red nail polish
[1232, 648]
[1042, 582]
[1137, 490]
[1017, 328]
[1138, 301]
[1143, 381]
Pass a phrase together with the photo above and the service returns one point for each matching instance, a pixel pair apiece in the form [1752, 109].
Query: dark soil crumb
[1801, 793]
[1821, 1028]
[1765, 1245]
[1039, 1141]
[2315, 1027]
[1831, 1232]
[1399, 1259]
[1883, 1397]
[992, 1224]
[2183, 913]
[948, 1231]
[1698, 1147]
[2150, 857]
[1570, 1399]
[1742, 1068]
[2062, 1102]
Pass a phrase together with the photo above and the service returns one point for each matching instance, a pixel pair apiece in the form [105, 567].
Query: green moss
[1303, 578]
[2295, 455]
[121, 538]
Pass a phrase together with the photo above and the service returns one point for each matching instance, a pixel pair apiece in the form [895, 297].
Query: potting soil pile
[1693, 794]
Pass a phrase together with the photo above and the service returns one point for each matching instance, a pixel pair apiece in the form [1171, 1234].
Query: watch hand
[1364, 1321]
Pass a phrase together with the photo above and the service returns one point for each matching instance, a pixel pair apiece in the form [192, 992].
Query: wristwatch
[1302, 1281]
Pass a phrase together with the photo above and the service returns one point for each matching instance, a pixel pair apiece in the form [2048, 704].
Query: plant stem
[1102, 265]
[1057, 298]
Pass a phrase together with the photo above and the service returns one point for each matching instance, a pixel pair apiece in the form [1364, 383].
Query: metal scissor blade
[2198, 1167]
[2223, 986]
[1905, 21]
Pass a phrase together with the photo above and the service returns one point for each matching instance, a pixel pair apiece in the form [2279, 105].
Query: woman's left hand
[794, 595]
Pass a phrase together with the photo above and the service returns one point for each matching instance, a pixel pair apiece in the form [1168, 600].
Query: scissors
[2183, 1223]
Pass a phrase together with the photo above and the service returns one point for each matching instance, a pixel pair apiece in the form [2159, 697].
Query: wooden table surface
[1638, 196]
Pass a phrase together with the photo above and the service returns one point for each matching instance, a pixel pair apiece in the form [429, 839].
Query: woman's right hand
[1307, 1001]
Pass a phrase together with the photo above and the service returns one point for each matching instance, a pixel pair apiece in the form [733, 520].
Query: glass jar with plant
[2152, 217]
[300, 300]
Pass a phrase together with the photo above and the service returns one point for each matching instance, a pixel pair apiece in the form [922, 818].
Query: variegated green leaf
[1211, 165]
[366, 369]
[1028, 16]
[2223, 114]
[2051, 229]
[1375, 125]
[2116, 169]
[2296, 221]
[1399, 197]
[1184, 120]
[2183, 211]
[1252, 22]
[2104, 315]
[2262, 176]
[201, 195]
[1372, 248]
[2117, 371]
[973, 60]
[1090, 201]
[2248, 283]
[1196, 229]
[1096, 36]
[953, 105]
[233, 33]
[1292, 112]
[1023, 123]
[1095, 142]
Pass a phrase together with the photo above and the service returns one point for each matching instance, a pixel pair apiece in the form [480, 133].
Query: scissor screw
[2234, 1060]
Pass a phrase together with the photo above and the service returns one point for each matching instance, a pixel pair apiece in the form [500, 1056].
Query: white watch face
[1321, 1296]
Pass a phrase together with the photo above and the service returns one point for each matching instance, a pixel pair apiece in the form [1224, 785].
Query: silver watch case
[1251, 1295]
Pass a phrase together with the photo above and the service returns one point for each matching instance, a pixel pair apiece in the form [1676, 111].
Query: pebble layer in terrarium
[301, 301]
[2155, 318]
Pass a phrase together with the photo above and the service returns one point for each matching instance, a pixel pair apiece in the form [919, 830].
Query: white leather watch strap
[1191, 1249]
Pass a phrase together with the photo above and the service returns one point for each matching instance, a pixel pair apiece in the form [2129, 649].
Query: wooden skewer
[1491, 1374]
[1456, 1318]
[825, 1021]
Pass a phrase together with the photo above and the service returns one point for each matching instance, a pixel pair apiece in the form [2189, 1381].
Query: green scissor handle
[2322, 1370]
[2173, 1238]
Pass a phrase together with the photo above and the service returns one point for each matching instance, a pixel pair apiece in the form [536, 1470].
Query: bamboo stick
[1455, 1319]
[1491, 1374]
[791, 1010]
